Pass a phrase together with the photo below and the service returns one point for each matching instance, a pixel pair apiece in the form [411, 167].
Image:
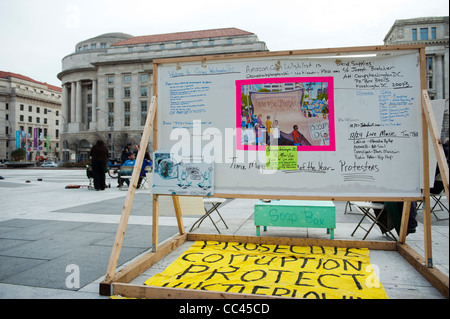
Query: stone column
[78, 114]
[72, 102]
[94, 100]
[65, 107]
[438, 77]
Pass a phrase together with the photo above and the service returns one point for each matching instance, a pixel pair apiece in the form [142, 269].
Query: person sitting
[298, 138]
[131, 162]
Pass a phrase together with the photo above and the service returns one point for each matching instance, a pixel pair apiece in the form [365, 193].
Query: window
[30, 119]
[126, 114]
[126, 92]
[211, 42]
[230, 40]
[147, 48]
[89, 98]
[178, 45]
[414, 34]
[143, 91]
[195, 42]
[22, 118]
[130, 49]
[126, 78]
[161, 46]
[430, 63]
[45, 111]
[45, 120]
[144, 77]
[433, 33]
[30, 108]
[57, 134]
[110, 79]
[423, 33]
[56, 122]
[143, 112]
[110, 114]
[89, 114]
[93, 46]
[38, 110]
[38, 120]
[22, 107]
[102, 45]
[110, 93]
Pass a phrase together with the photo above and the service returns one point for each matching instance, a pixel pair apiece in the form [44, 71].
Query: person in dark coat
[99, 155]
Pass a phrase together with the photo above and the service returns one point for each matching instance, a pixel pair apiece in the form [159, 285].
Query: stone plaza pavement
[56, 242]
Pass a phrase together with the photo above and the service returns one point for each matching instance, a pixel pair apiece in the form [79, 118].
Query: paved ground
[56, 242]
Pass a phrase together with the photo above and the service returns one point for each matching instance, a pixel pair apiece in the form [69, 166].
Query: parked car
[49, 164]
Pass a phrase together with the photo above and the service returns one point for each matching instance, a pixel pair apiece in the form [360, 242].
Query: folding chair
[436, 193]
[350, 211]
[437, 200]
[369, 210]
[144, 179]
[215, 203]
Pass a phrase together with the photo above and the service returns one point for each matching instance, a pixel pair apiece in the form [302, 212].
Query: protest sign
[276, 270]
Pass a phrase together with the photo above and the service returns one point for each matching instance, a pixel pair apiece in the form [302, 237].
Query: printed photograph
[285, 111]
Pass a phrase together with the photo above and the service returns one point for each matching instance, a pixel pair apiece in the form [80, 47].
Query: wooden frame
[118, 282]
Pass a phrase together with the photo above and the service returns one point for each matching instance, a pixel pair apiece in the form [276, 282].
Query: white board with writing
[355, 121]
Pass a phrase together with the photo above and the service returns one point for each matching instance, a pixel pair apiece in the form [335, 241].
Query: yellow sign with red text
[275, 270]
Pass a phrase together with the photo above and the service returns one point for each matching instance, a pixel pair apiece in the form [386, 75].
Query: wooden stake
[176, 204]
[436, 140]
[117, 246]
[426, 168]
[404, 224]
[155, 223]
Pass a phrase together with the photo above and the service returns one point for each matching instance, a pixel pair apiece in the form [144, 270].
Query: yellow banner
[276, 270]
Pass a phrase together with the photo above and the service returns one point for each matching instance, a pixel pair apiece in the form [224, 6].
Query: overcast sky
[36, 35]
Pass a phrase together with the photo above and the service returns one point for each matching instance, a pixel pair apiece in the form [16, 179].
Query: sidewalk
[56, 242]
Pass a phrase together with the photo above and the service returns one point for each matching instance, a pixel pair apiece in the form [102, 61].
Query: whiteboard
[359, 117]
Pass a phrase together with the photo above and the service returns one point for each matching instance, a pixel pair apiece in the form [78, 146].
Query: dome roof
[108, 39]
[118, 35]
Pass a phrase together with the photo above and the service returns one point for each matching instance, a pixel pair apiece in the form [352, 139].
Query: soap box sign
[184, 176]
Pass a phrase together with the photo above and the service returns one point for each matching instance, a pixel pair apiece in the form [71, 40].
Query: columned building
[107, 82]
[433, 32]
[29, 117]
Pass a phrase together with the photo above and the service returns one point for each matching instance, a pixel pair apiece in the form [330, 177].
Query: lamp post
[111, 130]
[64, 134]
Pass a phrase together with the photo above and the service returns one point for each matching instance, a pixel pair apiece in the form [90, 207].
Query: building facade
[107, 82]
[29, 117]
[433, 32]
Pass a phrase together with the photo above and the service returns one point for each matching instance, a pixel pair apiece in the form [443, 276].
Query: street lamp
[111, 130]
[64, 133]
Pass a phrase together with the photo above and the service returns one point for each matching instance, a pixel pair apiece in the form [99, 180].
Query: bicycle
[113, 168]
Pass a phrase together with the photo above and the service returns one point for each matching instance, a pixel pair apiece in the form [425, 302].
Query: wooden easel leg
[427, 231]
[176, 205]
[426, 178]
[155, 222]
[405, 219]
